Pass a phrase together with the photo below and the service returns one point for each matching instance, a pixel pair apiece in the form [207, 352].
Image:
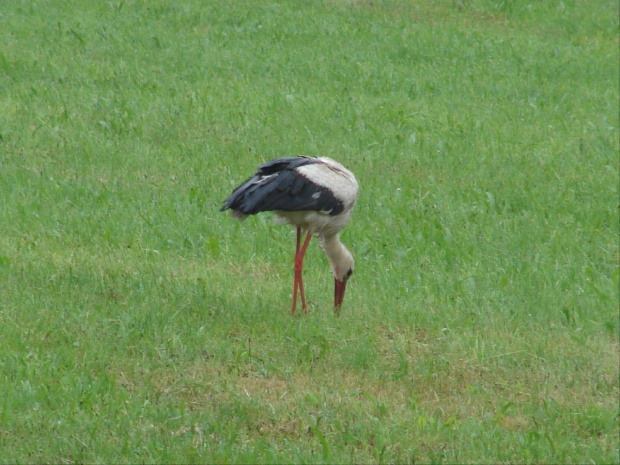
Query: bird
[316, 195]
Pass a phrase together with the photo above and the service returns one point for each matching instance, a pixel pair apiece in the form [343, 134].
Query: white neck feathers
[339, 257]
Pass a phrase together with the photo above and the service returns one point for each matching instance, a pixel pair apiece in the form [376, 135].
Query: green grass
[138, 324]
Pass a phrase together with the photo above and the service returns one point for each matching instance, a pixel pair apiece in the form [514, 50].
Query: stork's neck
[338, 255]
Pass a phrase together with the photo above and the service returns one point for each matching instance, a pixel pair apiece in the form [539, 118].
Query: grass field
[139, 324]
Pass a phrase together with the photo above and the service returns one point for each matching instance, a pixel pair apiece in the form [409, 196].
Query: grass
[138, 324]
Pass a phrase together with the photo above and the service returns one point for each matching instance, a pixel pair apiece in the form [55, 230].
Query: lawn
[140, 324]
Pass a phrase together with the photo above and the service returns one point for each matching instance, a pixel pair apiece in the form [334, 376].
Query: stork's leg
[299, 264]
[302, 254]
[295, 279]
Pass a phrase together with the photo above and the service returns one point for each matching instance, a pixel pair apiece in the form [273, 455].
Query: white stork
[316, 195]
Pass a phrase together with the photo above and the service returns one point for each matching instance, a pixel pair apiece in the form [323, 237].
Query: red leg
[296, 279]
[299, 264]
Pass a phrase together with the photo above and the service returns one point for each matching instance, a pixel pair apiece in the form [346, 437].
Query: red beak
[340, 287]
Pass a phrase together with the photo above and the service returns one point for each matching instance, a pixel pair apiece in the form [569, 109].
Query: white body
[341, 182]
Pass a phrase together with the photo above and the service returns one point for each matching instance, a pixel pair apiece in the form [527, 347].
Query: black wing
[279, 186]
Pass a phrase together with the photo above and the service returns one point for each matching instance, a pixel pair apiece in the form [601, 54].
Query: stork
[316, 195]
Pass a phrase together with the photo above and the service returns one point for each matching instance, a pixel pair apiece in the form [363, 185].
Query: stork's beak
[340, 287]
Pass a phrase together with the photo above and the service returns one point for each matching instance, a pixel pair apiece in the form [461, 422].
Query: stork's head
[343, 270]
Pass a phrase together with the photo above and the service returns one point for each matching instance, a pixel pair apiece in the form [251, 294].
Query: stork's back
[279, 185]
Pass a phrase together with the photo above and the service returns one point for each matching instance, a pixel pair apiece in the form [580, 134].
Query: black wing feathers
[279, 186]
[280, 164]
